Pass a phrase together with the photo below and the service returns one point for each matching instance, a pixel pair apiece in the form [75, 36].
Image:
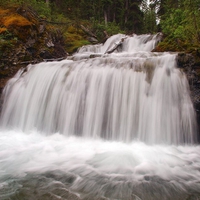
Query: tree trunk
[47, 2]
[126, 12]
[105, 17]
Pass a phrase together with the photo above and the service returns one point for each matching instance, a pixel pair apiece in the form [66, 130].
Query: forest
[178, 20]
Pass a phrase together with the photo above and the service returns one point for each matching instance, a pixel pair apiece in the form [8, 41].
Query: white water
[115, 127]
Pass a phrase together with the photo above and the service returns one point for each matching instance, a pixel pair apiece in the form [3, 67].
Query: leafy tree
[192, 20]
[181, 20]
[149, 17]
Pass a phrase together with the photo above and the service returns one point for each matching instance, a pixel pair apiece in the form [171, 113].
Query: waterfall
[113, 121]
[126, 96]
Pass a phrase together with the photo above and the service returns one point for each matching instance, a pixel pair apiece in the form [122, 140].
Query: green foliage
[180, 23]
[39, 6]
[74, 40]
[150, 15]
[7, 41]
[119, 14]
[112, 28]
[99, 27]
[149, 21]
[179, 19]
[6, 35]
[173, 25]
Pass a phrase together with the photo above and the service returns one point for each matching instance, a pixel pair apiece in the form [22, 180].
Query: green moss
[74, 45]
[5, 46]
[74, 38]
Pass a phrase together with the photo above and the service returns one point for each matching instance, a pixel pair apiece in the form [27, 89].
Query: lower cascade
[112, 121]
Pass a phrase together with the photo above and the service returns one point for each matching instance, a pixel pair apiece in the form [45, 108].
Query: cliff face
[191, 66]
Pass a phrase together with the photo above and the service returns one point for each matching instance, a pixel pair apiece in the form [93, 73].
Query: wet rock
[30, 42]
[191, 66]
[41, 28]
[92, 40]
[185, 60]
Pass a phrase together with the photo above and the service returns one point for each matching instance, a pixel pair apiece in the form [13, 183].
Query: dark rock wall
[191, 67]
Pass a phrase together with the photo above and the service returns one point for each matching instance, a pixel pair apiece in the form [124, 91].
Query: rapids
[100, 125]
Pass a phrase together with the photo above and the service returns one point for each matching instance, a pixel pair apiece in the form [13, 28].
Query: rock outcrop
[191, 66]
[24, 39]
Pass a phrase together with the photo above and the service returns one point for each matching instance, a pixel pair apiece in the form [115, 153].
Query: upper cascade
[124, 43]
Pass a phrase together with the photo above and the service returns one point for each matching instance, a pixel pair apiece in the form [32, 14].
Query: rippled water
[47, 167]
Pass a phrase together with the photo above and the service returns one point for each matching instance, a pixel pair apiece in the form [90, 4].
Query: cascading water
[102, 124]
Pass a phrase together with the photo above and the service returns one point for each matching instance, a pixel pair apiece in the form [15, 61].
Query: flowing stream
[113, 121]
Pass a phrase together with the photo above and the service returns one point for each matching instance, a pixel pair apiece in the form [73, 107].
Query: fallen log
[88, 31]
[116, 46]
[54, 59]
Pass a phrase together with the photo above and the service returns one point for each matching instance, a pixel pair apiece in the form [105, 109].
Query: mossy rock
[74, 38]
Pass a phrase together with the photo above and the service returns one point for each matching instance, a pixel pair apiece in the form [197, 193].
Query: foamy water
[96, 168]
